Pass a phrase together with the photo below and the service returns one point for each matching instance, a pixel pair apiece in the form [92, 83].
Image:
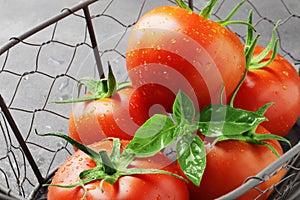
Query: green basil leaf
[183, 108]
[191, 156]
[219, 120]
[154, 135]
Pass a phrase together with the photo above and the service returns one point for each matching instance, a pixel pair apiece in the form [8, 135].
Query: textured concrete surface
[30, 76]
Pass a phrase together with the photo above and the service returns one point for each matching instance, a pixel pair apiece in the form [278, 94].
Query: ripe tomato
[228, 165]
[117, 116]
[143, 186]
[279, 83]
[180, 49]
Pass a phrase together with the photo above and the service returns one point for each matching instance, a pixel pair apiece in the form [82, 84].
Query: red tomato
[279, 83]
[118, 116]
[179, 49]
[146, 186]
[230, 163]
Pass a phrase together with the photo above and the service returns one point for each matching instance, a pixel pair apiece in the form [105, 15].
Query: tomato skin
[180, 49]
[117, 116]
[279, 83]
[154, 186]
[230, 163]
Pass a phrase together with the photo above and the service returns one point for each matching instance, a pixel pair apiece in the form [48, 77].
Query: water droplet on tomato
[285, 73]
[284, 87]
[145, 69]
[186, 39]
[93, 187]
[208, 65]
[63, 169]
[90, 164]
[77, 155]
[102, 116]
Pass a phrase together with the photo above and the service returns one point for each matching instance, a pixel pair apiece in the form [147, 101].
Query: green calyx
[103, 88]
[109, 168]
[219, 122]
[256, 62]
[207, 11]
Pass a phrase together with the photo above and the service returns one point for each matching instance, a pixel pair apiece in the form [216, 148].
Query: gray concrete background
[28, 95]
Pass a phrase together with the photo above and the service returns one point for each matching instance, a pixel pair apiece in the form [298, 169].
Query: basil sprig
[220, 122]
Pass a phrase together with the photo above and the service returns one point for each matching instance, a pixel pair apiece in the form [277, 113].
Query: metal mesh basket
[45, 63]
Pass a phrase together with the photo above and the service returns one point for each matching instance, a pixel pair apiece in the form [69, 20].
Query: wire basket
[45, 63]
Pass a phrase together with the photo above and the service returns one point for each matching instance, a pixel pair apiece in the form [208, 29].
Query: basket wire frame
[19, 155]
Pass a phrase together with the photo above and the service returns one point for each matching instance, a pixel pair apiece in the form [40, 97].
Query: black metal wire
[20, 139]
[19, 182]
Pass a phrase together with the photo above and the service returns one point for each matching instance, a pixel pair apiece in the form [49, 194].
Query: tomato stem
[107, 164]
[248, 51]
[248, 60]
